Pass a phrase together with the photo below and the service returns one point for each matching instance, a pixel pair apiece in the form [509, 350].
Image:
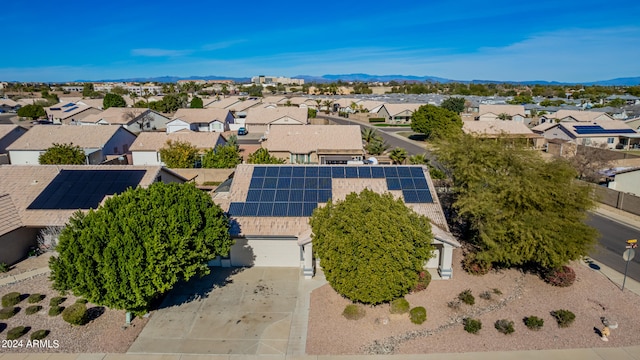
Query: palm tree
[233, 141]
[504, 116]
[133, 95]
[398, 155]
[319, 102]
[328, 104]
[369, 135]
[419, 159]
[377, 147]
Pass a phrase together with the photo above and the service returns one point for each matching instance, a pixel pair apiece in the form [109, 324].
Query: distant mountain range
[629, 81]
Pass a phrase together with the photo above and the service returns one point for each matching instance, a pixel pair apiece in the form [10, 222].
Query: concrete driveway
[231, 311]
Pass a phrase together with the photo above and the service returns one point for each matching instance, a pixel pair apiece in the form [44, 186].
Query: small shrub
[35, 298]
[504, 326]
[564, 318]
[8, 312]
[32, 309]
[55, 301]
[485, 295]
[466, 297]
[474, 266]
[399, 306]
[39, 335]
[11, 299]
[455, 304]
[424, 279]
[497, 291]
[418, 315]
[81, 301]
[563, 276]
[354, 312]
[16, 332]
[472, 325]
[75, 314]
[4, 267]
[533, 323]
[55, 310]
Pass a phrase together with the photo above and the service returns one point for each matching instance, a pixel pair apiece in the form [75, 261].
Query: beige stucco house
[494, 112]
[315, 144]
[145, 150]
[496, 128]
[204, 120]
[261, 119]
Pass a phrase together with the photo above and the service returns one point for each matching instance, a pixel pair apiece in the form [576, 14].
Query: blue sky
[571, 41]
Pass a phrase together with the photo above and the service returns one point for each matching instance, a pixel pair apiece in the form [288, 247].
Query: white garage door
[266, 252]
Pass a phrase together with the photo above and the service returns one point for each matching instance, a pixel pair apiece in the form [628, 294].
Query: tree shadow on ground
[3, 326]
[418, 137]
[95, 312]
[198, 288]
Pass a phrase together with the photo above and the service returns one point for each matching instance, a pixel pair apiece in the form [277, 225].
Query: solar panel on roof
[393, 183]
[265, 209]
[259, 171]
[406, 183]
[282, 195]
[296, 195]
[390, 171]
[420, 183]
[404, 171]
[298, 171]
[270, 183]
[337, 172]
[294, 209]
[284, 183]
[280, 209]
[297, 183]
[324, 196]
[267, 195]
[285, 171]
[424, 196]
[324, 183]
[250, 209]
[410, 196]
[351, 172]
[311, 183]
[364, 172]
[84, 189]
[256, 183]
[272, 171]
[310, 196]
[71, 109]
[253, 195]
[307, 208]
[377, 172]
[416, 172]
[311, 171]
[324, 171]
[235, 208]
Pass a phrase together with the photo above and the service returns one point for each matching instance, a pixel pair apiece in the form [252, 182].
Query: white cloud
[150, 52]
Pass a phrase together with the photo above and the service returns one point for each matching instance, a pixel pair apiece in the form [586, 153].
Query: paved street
[613, 236]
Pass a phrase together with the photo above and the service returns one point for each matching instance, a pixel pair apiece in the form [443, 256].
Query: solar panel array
[597, 129]
[296, 190]
[84, 189]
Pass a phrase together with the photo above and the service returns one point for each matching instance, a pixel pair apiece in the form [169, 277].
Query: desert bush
[533, 322]
[504, 326]
[75, 314]
[4, 267]
[472, 325]
[8, 312]
[399, 306]
[16, 332]
[55, 301]
[424, 279]
[455, 304]
[55, 310]
[474, 266]
[32, 309]
[496, 291]
[563, 276]
[39, 335]
[564, 318]
[81, 301]
[354, 312]
[466, 297]
[11, 299]
[485, 295]
[418, 315]
[35, 298]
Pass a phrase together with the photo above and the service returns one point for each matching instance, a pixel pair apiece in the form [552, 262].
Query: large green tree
[32, 111]
[63, 154]
[262, 156]
[455, 104]
[520, 209]
[222, 157]
[436, 122]
[196, 103]
[139, 244]
[113, 100]
[371, 246]
[179, 154]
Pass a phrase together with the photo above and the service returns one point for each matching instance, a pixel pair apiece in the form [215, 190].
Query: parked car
[242, 131]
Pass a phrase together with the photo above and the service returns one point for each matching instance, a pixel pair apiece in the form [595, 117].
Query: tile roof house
[496, 128]
[8, 105]
[397, 113]
[9, 134]
[627, 181]
[205, 120]
[134, 119]
[35, 197]
[269, 206]
[493, 112]
[610, 133]
[578, 115]
[97, 142]
[223, 103]
[145, 150]
[260, 119]
[67, 112]
[315, 144]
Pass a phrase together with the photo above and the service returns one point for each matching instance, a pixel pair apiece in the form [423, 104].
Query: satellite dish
[373, 161]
